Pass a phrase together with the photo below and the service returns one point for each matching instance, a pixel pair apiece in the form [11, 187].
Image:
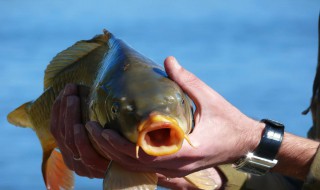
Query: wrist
[260, 159]
[251, 139]
[256, 135]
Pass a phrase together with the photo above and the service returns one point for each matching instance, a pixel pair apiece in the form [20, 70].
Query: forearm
[295, 156]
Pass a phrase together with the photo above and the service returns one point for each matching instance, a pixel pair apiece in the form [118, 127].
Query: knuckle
[190, 79]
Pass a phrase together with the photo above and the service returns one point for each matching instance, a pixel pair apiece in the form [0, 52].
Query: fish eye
[115, 107]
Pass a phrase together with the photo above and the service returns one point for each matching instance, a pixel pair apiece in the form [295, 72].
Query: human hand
[222, 133]
[77, 150]
[97, 134]
[71, 136]
[73, 141]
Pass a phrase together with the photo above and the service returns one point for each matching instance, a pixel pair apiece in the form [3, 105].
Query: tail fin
[55, 173]
[20, 116]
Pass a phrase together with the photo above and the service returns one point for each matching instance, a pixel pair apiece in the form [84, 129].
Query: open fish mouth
[160, 135]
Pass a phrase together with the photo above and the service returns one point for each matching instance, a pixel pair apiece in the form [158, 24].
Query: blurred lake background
[260, 55]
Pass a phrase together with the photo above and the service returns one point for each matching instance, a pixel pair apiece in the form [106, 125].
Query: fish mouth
[160, 135]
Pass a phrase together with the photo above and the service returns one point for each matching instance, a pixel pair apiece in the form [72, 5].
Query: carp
[128, 93]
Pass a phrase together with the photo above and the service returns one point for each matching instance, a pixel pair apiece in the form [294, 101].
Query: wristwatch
[262, 159]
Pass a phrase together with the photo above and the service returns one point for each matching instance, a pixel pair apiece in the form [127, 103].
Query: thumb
[196, 89]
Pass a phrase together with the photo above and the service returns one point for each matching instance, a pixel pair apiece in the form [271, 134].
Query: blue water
[260, 55]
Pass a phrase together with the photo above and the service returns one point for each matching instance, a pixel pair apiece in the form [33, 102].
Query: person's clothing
[236, 180]
[313, 178]
[272, 181]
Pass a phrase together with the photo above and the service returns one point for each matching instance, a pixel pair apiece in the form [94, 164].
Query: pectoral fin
[118, 178]
[55, 173]
[201, 180]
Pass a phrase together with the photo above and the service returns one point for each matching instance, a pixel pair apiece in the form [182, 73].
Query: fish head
[148, 109]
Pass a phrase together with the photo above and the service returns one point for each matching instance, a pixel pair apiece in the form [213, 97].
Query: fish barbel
[127, 93]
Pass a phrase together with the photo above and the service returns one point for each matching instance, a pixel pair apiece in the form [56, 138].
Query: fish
[128, 93]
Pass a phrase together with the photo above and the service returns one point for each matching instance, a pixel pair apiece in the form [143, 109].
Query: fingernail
[89, 128]
[70, 101]
[106, 135]
[66, 90]
[69, 89]
[176, 63]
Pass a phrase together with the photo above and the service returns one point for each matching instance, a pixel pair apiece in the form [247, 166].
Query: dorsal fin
[71, 55]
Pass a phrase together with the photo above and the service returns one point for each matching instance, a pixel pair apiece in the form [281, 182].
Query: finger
[80, 169]
[70, 89]
[72, 118]
[108, 151]
[62, 116]
[189, 83]
[118, 151]
[103, 145]
[121, 144]
[125, 147]
[89, 157]
[170, 173]
[56, 123]
[67, 155]
[94, 132]
[96, 173]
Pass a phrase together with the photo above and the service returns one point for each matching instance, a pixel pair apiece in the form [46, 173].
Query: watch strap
[262, 159]
[271, 140]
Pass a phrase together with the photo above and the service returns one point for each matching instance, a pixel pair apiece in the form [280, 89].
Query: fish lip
[159, 135]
